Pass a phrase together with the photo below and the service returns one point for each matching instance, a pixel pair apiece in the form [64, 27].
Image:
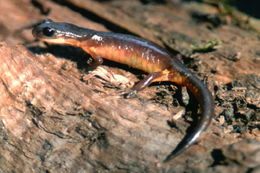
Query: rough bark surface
[54, 117]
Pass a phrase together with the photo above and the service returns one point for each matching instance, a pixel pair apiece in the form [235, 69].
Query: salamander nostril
[48, 31]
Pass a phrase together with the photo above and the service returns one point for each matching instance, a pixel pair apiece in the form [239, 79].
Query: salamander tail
[204, 98]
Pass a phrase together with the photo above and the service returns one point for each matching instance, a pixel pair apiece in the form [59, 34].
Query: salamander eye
[48, 31]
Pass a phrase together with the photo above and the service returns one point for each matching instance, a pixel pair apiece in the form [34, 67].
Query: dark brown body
[137, 53]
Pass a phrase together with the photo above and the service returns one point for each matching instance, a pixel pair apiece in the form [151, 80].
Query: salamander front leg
[96, 62]
[143, 84]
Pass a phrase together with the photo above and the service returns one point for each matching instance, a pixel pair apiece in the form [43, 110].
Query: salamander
[137, 53]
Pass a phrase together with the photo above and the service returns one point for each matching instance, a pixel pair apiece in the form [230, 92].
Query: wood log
[56, 118]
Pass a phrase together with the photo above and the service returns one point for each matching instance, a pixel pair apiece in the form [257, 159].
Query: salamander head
[59, 33]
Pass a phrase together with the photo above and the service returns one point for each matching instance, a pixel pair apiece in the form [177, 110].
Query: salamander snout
[47, 29]
[51, 32]
[56, 32]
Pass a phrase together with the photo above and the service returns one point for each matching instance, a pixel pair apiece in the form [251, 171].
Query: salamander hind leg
[143, 84]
